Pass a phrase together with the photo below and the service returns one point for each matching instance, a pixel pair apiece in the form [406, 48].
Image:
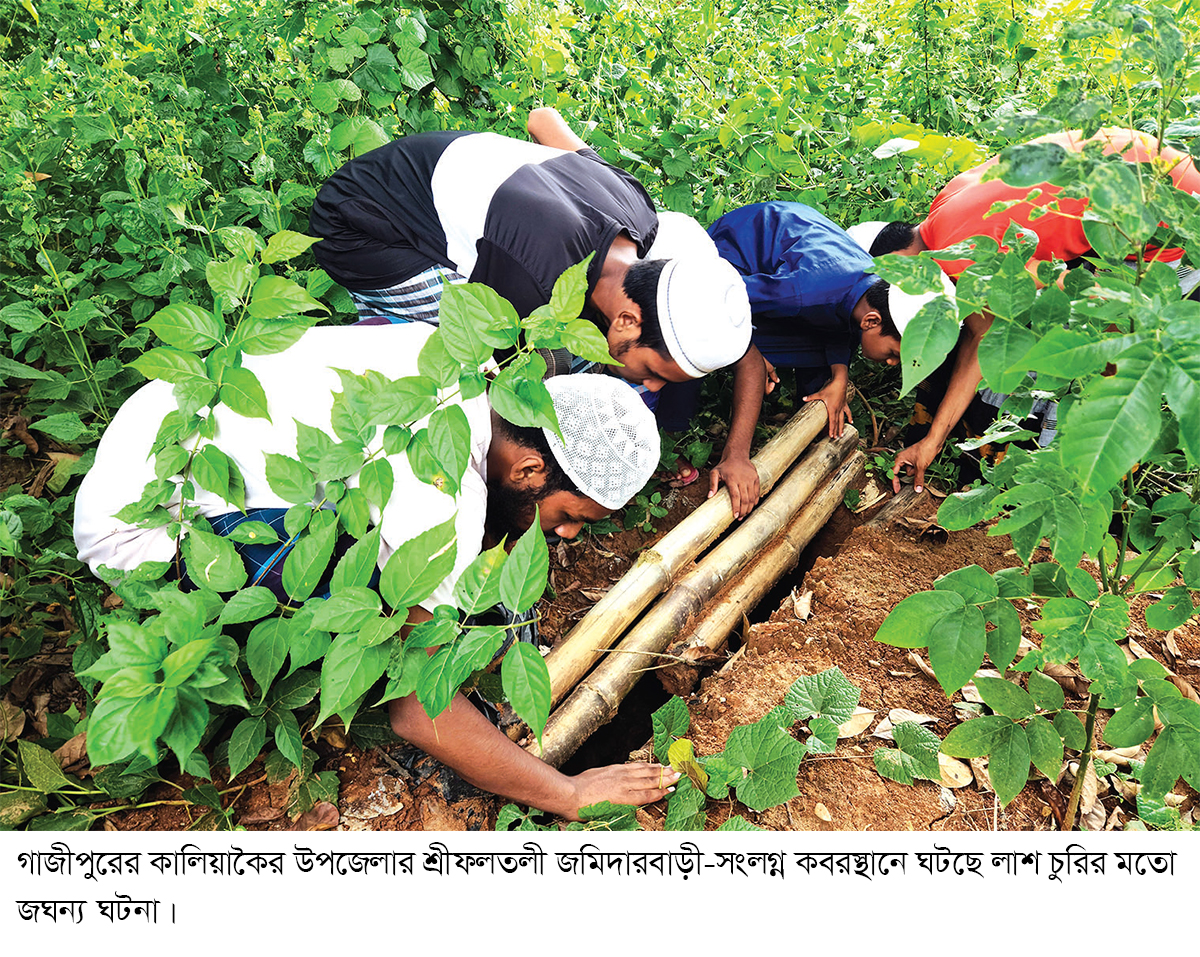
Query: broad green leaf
[738, 823]
[213, 562]
[266, 649]
[359, 134]
[376, 480]
[253, 533]
[41, 767]
[378, 629]
[1174, 754]
[285, 245]
[347, 610]
[185, 326]
[242, 392]
[926, 342]
[686, 808]
[915, 755]
[17, 807]
[1046, 693]
[828, 694]
[358, 564]
[1005, 698]
[467, 313]
[527, 685]
[1002, 349]
[911, 622]
[348, 672]
[771, 759]
[1004, 640]
[1070, 353]
[249, 604]
[274, 297]
[1028, 164]
[975, 738]
[957, 644]
[1172, 610]
[309, 558]
[182, 663]
[669, 722]
[230, 279]
[1183, 396]
[262, 337]
[523, 577]
[1008, 764]
[1045, 746]
[170, 365]
[289, 479]
[522, 400]
[964, 509]
[1070, 727]
[211, 470]
[1116, 197]
[1108, 432]
[606, 816]
[477, 648]
[1130, 725]
[418, 566]
[246, 744]
[438, 454]
[974, 584]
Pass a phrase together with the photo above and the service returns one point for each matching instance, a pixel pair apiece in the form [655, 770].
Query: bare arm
[546, 126]
[834, 397]
[964, 380]
[735, 468]
[463, 739]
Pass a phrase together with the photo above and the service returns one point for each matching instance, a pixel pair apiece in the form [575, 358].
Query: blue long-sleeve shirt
[804, 275]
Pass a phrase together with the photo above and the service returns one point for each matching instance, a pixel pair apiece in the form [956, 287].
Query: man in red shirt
[960, 211]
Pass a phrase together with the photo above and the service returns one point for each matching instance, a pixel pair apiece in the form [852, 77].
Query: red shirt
[960, 210]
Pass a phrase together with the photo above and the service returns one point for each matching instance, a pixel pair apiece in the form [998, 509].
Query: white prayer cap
[610, 444]
[902, 305]
[704, 313]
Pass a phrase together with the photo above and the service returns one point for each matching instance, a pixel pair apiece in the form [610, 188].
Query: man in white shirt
[608, 451]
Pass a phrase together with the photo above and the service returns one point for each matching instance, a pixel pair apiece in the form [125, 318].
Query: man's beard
[510, 510]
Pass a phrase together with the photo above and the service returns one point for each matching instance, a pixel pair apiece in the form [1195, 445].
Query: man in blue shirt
[813, 299]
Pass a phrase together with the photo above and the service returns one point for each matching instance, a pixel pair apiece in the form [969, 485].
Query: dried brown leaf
[12, 721]
[1088, 795]
[593, 594]
[802, 606]
[72, 753]
[1185, 687]
[897, 715]
[857, 723]
[915, 659]
[1169, 644]
[1115, 820]
[264, 815]
[980, 767]
[955, 773]
[822, 812]
[322, 817]
[1094, 819]
[970, 693]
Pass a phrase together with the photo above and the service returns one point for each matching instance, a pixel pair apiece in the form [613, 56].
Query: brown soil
[856, 574]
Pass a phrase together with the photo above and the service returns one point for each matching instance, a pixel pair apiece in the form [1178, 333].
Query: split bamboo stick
[726, 612]
[656, 567]
[595, 700]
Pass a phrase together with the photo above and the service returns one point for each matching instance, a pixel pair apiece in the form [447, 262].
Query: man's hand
[772, 377]
[917, 458]
[741, 477]
[637, 784]
[834, 397]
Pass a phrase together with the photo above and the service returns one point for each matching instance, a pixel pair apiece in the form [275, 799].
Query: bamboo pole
[656, 567]
[726, 612]
[595, 700]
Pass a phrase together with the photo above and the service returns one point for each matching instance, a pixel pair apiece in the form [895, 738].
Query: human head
[885, 311]
[694, 317]
[608, 452]
[879, 238]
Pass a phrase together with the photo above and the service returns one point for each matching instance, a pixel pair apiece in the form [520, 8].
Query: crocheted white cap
[704, 313]
[611, 443]
[902, 305]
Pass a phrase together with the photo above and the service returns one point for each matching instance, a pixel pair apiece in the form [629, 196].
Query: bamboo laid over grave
[595, 700]
[656, 567]
[780, 557]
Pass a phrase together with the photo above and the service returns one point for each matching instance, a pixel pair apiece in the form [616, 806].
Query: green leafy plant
[1115, 348]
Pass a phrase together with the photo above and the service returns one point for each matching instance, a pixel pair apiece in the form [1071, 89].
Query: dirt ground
[824, 615]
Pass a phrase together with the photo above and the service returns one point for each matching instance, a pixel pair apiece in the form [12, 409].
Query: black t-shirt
[498, 210]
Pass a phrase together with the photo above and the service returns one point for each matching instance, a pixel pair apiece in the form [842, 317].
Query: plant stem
[1084, 761]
